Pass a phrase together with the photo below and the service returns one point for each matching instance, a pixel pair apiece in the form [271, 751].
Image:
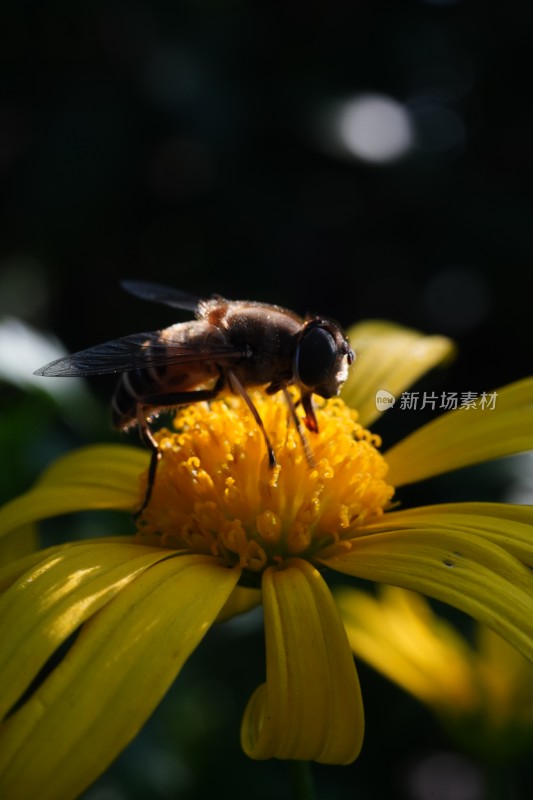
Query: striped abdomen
[132, 389]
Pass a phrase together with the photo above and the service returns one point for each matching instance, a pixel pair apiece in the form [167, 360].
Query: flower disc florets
[215, 493]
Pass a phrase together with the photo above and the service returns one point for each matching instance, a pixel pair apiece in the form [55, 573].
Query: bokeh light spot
[457, 299]
[375, 128]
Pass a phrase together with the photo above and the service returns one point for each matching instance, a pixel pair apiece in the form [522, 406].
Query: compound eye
[316, 357]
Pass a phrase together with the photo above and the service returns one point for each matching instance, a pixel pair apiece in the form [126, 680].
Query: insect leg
[151, 444]
[238, 388]
[172, 399]
[296, 420]
[182, 398]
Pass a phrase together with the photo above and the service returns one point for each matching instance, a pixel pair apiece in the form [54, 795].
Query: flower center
[215, 493]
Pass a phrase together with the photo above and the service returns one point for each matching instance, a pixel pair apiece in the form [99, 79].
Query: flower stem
[302, 784]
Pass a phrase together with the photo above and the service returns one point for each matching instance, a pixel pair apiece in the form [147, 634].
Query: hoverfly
[234, 344]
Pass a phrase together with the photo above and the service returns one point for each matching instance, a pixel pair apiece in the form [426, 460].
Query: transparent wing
[131, 352]
[161, 294]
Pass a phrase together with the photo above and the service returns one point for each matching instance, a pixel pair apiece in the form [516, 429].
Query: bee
[231, 344]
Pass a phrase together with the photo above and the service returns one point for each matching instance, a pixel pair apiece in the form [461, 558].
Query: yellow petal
[310, 707]
[466, 436]
[118, 669]
[509, 526]
[507, 680]
[52, 599]
[12, 571]
[17, 544]
[398, 634]
[241, 600]
[389, 357]
[113, 465]
[92, 477]
[467, 572]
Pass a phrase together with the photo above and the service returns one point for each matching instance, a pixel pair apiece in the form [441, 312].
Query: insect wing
[140, 350]
[161, 294]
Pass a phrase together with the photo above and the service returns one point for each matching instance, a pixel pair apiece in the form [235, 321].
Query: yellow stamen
[215, 493]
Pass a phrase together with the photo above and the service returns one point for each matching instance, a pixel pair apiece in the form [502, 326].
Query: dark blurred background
[359, 159]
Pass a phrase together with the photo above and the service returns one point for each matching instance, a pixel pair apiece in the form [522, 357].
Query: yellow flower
[223, 532]
[483, 693]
